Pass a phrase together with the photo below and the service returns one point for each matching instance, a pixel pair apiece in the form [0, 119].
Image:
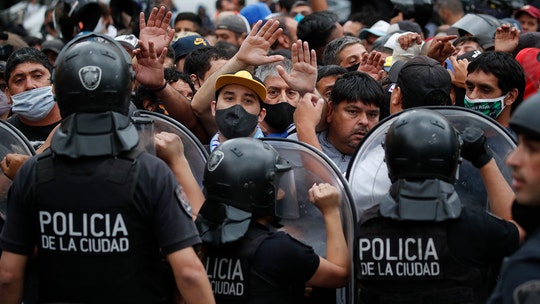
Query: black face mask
[526, 216]
[236, 122]
[353, 68]
[279, 116]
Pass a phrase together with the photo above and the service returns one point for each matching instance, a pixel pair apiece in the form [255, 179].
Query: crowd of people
[93, 219]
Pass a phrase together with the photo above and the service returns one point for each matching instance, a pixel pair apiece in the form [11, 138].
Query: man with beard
[353, 110]
[237, 108]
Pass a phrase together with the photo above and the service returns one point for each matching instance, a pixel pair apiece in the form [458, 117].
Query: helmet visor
[286, 206]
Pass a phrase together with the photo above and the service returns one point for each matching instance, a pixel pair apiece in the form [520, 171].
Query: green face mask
[491, 107]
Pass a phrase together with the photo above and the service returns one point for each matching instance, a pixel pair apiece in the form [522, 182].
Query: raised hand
[506, 38]
[441, 48]
[325, 197]
[303, 75]
[309, 112]
[254, 50]
[460, 71]
[11, 164]
[169, 147]
[157, 29]
[372, 64]
[409, 39]
[149, 66]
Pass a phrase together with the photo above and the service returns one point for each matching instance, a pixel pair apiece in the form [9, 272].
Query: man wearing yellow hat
[237, 108]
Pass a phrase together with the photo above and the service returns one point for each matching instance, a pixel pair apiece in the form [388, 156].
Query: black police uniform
[99, 224]
[264, 266]
[520, 275]
[449, 261]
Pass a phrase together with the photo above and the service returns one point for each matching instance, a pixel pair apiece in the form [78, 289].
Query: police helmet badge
[90, 77]
[214, 160]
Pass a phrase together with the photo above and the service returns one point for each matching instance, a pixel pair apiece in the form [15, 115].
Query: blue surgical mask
[33, 104]
[491, 107]
[298, 17]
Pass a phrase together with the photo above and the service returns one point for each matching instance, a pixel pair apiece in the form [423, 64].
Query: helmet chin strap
[421, 200]
[95, 134]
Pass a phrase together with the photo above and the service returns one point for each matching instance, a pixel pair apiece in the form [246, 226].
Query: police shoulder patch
[183, 200]
[528, 292]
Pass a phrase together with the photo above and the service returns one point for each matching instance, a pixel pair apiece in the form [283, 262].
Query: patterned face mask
[491, 107]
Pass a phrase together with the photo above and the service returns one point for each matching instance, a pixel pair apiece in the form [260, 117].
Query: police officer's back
[421, 245]
[101, 213]
[248, 187]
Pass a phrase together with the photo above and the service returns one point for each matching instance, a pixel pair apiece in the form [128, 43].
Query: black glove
[475, 148]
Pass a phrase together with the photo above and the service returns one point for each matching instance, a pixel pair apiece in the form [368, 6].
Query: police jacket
[400, 261]
[101, 225]
[240, 273]
[520, 275]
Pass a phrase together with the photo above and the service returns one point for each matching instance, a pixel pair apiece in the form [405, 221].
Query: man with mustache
[353, 110]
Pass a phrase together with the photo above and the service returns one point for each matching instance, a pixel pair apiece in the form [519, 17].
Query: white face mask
[491, 107]
[33, 104]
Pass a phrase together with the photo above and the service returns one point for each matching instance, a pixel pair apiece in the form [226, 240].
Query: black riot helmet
[421, 144]
[419, 10]
[75, 16]
[93, 73]
[524, 120]
[248, 174]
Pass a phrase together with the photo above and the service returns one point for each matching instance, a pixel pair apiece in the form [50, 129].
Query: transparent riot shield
[195, 152]
[368, 176]
[311, 166]
[11, 141]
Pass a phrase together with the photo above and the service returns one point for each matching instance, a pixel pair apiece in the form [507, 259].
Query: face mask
[236, 122]
[279, 116]
[34, 104]
[491, 107]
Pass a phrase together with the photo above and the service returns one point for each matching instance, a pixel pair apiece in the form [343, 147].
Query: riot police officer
[248, 188]
[421, 244]
[100, 212]
[520, 273]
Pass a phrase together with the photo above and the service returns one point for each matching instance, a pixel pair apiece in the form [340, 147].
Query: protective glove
[475, 148]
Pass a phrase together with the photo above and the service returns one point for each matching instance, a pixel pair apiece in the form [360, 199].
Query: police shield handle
[335, 270]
